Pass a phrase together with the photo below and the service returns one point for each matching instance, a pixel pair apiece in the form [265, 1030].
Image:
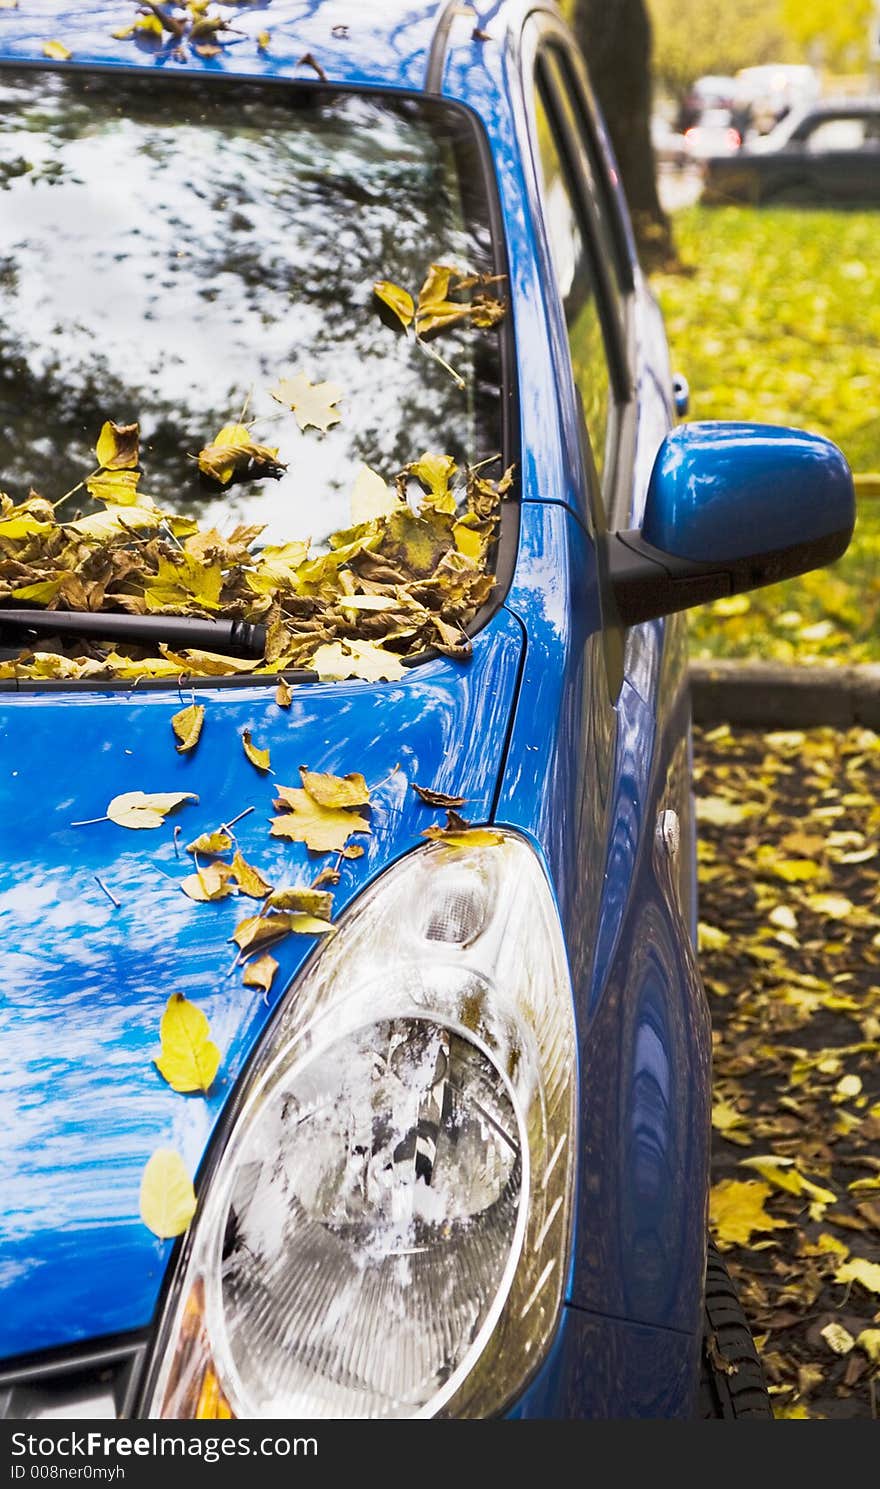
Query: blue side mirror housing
[731, 507]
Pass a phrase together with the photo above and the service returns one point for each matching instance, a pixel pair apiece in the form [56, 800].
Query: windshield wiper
[235, 638]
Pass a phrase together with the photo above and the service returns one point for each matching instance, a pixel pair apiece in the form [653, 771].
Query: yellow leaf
[117, 446]
[859, 1270]
[248, 878]
[189, 1060]
[233, 452]
[435, 473]
[264, 40]
[719, 812]
[322, 829]
[187, 725]
[42, 593]
[468, 540]
[117, 487]
[208, 884]
[869, 1342]
[312, 403]
[335, 791]
[260, 972]
[57, 51]
[736, 1210]
[782, 1173]
[397, 299]
[317, 902]
[23, 527]
[794, 1412]
[211, 843]
[847, 1087]
[730, 1123]
[108, 524]
[731, 605]
[336, 661]
[795, 870]
[283, 695]
[142, 809]
[835, 906]
[710, 938]
[372, 497]
[837, 1338]
[785, 918]
[167, 1199]
[259, 928]
[257, 757]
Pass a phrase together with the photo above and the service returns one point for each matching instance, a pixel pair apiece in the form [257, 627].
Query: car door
[639, 1248]
[840, 164]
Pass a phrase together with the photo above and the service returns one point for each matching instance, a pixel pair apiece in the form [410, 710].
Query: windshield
[171, 250]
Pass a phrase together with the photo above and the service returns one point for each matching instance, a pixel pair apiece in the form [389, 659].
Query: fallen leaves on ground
[788, 885]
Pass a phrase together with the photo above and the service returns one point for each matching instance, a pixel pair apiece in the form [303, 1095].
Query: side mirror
[731, 507]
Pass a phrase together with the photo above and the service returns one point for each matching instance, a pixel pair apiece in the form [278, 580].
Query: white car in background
[715, 134]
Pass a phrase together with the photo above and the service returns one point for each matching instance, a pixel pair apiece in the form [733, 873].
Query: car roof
[351, 43]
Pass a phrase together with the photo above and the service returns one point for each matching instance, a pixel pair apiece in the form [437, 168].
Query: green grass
[780, 323]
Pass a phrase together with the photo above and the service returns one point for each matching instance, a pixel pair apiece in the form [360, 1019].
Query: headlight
[385, 1231]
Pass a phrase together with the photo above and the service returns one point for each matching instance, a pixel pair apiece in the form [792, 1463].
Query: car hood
[85, 981]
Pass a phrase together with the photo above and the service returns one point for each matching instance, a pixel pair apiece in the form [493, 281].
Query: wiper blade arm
[235, 638]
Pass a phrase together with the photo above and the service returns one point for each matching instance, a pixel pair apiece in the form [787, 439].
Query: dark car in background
[828, 153]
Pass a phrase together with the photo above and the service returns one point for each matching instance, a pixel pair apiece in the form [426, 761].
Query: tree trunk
[615, 37]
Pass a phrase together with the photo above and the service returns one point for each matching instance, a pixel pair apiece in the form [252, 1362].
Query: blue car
[356, 1061]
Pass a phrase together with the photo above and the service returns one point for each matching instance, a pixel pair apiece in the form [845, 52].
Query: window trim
[507, 542]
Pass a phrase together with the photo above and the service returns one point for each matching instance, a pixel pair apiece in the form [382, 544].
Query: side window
[837, 134]
[576, 278]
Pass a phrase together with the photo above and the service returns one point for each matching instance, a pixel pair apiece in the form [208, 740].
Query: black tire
[732, 1384]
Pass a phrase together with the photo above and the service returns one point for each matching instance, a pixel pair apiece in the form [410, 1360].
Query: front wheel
[732, 1384]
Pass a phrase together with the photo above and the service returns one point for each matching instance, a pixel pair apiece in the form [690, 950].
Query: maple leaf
[866, 1273]
[234, 453]
[322, 829]
[189, 1060]
[257, 757]
[142, 809]
[312, 403]
[117, 446]
[260, 972]
[187, 725]
[736, 1211]
[167, 1197]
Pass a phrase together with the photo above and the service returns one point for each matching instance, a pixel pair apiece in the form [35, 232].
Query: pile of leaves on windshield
[790, 953]
[407, 575]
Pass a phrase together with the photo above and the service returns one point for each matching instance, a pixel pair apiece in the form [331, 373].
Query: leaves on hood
[142, 809]
[312, 403]
[323, 829]
[187, 725]
[257, 929]
[437, 798]
[234, 453]
[260, 972]
[257, 757]
[209, 883]
[57, 51]
[212, 844]
[248, 878]
[458, 833]
[372, 497]
[189, 1060]
[283, 695]
[335, 791]
[167, 1197]
[317, 902]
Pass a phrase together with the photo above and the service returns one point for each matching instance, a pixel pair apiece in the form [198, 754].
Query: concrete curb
[763, 695]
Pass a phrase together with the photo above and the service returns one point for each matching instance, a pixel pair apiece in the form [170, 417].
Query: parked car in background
[446, 1150]
[712, 91]
[826, 153]
[715, 134]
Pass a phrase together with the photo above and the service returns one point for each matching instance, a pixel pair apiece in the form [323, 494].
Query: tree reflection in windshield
[170, 248]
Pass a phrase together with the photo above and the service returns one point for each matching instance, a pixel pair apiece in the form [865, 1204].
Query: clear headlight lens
[385, 1232]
